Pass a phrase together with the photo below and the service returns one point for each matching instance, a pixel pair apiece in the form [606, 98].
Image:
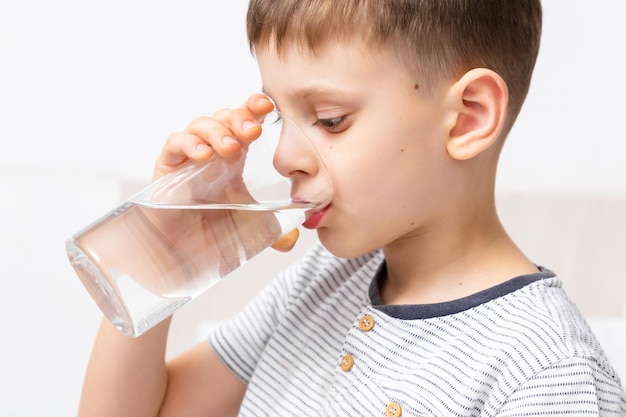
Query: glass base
[99, 288]
[109, 293]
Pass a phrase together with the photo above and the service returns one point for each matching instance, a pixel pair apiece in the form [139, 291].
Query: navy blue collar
[425, 311]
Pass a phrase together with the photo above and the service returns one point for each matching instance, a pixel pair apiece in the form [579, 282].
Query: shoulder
[553, 314]
[555, 354]
[543, 320]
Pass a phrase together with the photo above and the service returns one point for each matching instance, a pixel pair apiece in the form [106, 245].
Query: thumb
[286, 242]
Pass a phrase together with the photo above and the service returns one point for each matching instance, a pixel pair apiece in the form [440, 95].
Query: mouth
[314, 217]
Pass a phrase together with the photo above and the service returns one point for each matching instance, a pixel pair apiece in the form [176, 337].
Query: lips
[314, 218]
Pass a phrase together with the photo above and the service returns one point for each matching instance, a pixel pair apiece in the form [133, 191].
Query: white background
[90, 90]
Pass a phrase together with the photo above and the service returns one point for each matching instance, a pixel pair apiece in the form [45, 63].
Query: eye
[332, 125]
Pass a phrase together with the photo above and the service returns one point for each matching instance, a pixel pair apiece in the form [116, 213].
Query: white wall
[89, 91]
[570, 137]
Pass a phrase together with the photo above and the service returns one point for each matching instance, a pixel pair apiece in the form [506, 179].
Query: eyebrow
[315, 90]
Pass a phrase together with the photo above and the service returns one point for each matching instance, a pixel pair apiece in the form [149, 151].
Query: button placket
[365, 323]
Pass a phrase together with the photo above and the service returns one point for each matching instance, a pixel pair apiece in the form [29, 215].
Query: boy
[418, 303]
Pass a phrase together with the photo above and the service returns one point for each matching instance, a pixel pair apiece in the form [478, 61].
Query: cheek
[371, 209]
[372, 168]
[386, 164]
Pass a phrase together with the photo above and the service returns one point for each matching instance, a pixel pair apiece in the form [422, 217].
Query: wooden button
[393, 410]
[366, 323]
[346, 363]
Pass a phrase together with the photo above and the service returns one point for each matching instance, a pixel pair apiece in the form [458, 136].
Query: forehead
[338, 67]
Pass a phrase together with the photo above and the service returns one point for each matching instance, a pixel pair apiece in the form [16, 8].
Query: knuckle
[200, 121]
[222, 114]
[172, 139]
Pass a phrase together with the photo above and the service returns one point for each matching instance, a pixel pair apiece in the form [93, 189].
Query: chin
[341, 247]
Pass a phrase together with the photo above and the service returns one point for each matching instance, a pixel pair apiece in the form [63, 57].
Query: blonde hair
[437, 40]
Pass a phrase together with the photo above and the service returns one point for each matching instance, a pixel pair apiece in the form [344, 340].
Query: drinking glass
[177, 237]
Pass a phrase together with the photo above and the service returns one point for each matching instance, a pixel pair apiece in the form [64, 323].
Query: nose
[295, 156]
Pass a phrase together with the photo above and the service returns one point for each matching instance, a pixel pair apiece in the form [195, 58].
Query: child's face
[383, 143]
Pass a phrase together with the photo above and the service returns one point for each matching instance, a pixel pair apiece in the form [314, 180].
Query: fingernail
[202, 147]
[227, 140]
[248, 124]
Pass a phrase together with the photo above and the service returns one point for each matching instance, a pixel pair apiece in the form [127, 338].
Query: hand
[218, 134]
[206, 136]
[211, 241]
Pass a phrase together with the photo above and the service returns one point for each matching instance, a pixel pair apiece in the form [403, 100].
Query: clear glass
[176, 238]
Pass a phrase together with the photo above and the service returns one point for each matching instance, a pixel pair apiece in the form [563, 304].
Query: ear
[479, 100]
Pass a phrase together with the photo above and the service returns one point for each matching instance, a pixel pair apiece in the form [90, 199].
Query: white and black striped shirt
[318, 342]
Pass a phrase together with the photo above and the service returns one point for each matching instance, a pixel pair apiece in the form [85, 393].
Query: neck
[451, 260]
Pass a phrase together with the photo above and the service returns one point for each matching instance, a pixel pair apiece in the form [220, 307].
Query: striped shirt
[318, 342]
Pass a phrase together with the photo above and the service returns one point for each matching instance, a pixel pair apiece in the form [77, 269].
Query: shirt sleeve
[240, 342]
[572, 387]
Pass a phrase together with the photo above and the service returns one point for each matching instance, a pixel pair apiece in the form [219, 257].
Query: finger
[218, 134]
[286, 242]
[223, 133]
[259, 105]
[180, 148]
[226, 129]
[245, 122]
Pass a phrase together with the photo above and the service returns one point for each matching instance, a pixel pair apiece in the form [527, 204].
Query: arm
[129, 377]
[125, 376]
